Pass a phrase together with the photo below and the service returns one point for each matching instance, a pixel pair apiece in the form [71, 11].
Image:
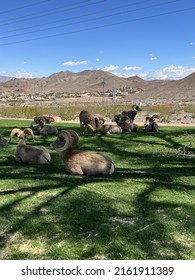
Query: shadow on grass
[124, 216]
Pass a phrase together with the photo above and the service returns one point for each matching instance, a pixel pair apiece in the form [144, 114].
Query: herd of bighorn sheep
[76, 162]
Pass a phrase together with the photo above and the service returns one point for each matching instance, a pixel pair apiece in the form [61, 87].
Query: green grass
[144, 211]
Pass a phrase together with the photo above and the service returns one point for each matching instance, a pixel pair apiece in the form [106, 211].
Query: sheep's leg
[85, 128]
[82, 127]
[75, 170]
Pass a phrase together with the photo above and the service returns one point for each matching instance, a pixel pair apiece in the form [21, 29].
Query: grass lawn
[144, 211]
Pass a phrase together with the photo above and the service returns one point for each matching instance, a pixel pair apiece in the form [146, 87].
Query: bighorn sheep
[29, 154]
[86, 118]
[132, 114]
[3, 141]
[125, 123]
[79, 162]
[104, 128]
[150, 124]
[44, 129]
[46, 119]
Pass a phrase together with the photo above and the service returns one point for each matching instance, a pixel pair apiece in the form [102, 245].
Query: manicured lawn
[144, 211]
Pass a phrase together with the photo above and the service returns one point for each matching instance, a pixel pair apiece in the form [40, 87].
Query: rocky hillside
[95, 81]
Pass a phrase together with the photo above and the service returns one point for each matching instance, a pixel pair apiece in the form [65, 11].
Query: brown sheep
[79, 162]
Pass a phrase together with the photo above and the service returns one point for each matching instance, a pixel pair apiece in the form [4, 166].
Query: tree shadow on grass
[115, 217]
[76, 220]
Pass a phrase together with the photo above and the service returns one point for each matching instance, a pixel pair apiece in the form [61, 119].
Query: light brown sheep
[79, 162]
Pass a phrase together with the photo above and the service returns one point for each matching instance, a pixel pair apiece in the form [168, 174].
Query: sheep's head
[21, 133]
[99, 121]
[65, 140]
[136, 108]
[116, 118]
[38, 121]
[151, 119]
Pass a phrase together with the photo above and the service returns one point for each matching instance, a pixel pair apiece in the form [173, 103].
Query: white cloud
[74, 63]
[24, 62]
[110, 68]
[97, 59]
[171, 72]
[23, 74]
[191, 44]
[132, 68]
[126, 75]
[154, 58]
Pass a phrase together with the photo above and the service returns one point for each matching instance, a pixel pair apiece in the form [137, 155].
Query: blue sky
[151, 39]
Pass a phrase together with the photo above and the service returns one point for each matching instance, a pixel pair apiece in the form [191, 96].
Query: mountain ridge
[97, 81]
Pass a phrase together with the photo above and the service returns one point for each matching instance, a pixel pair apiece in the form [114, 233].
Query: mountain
[183, 89]
[69, 82]
[4, 79]
[96, 81]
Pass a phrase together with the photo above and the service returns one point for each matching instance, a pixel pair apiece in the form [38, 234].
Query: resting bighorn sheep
[45, 129]
[132, 114]
[3, 141]
[150, 124]
[102, 128]
[86, 118]
[79, 162]
[29, 154]
[125, 123]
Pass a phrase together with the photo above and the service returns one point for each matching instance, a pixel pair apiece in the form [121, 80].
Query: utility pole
[113, 96]
[103, 89]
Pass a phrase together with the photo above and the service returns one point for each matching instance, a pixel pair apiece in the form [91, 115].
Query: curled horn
[146, 120]
[71, 139]
[75, 137]
[66, 138]
[15, 131]
[37, 119]
[155, 117]
[29, 132]
[99, 121]
[40, 121]
[135, 107]
[92, 128]
[96, 122]
[102, 121]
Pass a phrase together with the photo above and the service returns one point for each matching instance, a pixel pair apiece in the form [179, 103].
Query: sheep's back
[84, 163]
